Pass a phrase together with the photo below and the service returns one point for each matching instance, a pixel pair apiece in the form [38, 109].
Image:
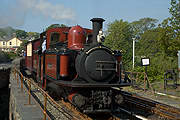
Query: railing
[135, 78]
[23, 79]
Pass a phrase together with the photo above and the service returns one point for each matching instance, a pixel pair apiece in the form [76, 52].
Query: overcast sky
[36, 15]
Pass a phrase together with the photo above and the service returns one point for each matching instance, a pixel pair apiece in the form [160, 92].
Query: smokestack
[97, 26]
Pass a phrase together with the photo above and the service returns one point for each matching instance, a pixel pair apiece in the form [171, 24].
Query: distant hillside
[9, 31]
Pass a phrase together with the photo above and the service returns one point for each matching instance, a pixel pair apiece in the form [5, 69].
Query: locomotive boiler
[73, 63]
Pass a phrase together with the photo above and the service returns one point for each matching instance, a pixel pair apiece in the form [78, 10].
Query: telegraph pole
[133, 50]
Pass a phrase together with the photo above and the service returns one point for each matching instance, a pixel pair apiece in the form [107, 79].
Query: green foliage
[11, 55]
[142, 25]
[119, 37]
[21, 34]
[159, 43]
[170, 30]
[4, 57]
[148, 44]
[33, 35]
[22, 47]
[175, 15]
[56, 25]
[7, 31]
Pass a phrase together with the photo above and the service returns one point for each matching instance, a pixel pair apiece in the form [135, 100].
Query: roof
[8, 38]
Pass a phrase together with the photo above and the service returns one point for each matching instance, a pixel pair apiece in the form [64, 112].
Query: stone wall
[4, 90]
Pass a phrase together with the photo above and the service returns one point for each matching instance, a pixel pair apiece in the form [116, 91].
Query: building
[11, 43]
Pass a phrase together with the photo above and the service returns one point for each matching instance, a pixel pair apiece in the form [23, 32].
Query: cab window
[54, 38]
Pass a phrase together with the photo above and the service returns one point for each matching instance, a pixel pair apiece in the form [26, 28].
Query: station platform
[19, 109]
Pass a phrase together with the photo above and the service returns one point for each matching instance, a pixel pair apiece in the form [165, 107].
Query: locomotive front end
[96, 64]
[98, 69]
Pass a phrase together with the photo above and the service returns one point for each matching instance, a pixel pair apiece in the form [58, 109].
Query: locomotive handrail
[110, 62]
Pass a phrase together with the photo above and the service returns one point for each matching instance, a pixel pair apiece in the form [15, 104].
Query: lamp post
[178, 54]
[133, 50]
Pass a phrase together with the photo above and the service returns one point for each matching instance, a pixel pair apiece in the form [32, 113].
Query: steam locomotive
[73, 63]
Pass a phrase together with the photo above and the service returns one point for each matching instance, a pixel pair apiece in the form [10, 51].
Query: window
[10, 43]
[3, 43]
[54, 38]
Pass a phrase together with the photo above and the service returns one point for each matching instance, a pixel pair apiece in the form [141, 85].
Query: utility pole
[178, 54]
[133, 50]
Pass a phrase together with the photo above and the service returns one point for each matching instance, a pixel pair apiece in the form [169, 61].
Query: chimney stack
[97, 26]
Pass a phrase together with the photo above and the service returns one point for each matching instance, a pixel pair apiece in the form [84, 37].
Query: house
[10, 43]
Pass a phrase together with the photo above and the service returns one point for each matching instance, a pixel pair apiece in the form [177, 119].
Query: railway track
[55, 110]
[151, 107]
[64, 110]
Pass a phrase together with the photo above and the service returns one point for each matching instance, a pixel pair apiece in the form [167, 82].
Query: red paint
[41, 81]
[70, 96]
[44, 84]
[119, 58]
[76, 38]
[60, 30]
[50, 65]
[35, 44]
[64, 65]
[35, 62]
[29, 62]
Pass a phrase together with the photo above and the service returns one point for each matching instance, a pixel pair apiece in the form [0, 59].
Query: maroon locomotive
[73, 63]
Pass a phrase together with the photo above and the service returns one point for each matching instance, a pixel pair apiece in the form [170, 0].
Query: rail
[151, 106]
[29, 83]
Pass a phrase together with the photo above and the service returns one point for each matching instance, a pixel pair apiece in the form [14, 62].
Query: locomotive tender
[73, 63]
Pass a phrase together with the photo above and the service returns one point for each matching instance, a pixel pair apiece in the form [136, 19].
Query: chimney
[97, 26]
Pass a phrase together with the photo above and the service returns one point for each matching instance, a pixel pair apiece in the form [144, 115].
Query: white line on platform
[167, 95]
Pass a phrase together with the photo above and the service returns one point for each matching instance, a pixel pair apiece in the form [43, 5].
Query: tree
[148, 44]
[22, 47]
[142, 25]
[170, 30]
[119, 37]
[33, 35]
[175, 15]
[21, 34]
[55, 25]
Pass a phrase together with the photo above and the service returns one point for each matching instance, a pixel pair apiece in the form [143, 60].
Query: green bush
[11, 55]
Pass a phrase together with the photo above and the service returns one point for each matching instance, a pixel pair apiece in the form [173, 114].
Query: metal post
[45, 105]
[29, 102]
[15, 74]
[21, 82]
[178, 63]
[147, 83]
[144, 81]
[17, 77]
[133, 50]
